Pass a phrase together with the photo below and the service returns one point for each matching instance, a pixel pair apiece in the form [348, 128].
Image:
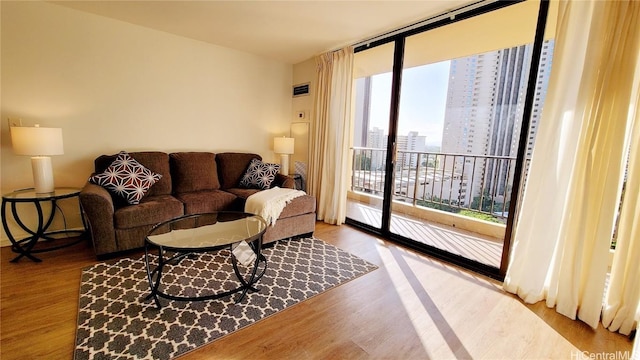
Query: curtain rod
[451, 14]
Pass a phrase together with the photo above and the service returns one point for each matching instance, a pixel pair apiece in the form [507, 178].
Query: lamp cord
[64, 218]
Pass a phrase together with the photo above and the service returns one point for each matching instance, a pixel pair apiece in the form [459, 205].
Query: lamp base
[284, 164]
[42, 174]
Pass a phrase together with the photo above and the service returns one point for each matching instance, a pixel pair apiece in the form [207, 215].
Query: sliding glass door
[373, 81]
[436, 142]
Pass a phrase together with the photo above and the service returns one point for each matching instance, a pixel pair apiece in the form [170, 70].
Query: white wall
[112, 86]
[304, 72]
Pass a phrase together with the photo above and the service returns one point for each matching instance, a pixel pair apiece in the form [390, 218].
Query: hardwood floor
[412, 307]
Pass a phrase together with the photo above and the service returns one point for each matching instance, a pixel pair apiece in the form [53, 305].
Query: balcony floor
[456, 241]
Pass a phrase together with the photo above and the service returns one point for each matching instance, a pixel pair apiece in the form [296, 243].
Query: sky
[423, 99]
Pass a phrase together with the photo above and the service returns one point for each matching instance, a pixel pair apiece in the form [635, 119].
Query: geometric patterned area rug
[116, 322]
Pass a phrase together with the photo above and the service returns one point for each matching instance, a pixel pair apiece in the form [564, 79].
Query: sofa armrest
[97, 206]
[284, 181]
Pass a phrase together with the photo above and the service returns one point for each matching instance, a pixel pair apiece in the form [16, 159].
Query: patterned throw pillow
[259, 175]
[126, 178]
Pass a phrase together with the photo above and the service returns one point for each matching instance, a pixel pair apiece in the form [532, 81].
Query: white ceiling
[289, 31]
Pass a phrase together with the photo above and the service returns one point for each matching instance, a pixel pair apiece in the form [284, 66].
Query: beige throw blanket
[270, 203]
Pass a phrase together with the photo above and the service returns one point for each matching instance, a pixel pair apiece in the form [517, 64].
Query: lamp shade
[283, 145]
[36, 140]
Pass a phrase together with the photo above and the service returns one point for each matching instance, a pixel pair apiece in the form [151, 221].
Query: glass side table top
[207, 231]
[31, 195]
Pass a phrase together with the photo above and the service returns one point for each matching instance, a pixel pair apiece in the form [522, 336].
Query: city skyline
[477, 112]
[423, 91]
[426, 89]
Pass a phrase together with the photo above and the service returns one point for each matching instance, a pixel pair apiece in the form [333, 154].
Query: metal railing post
[417, 180]
[353, 169]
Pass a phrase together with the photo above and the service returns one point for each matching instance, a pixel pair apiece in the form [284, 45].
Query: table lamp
[39, 143]
[284, 147]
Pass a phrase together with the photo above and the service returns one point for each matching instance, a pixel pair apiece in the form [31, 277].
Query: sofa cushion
[231, 167]
[242, 193]
[206, 201]
[194, 171]
[150, 211]
[127, 178]
[259, 175]
[155, 161]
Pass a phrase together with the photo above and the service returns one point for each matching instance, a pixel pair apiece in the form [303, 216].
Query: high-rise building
[362, 108]
[377, 140]
[469, 106]
[542, 83]
[485, 104]
[410, 145]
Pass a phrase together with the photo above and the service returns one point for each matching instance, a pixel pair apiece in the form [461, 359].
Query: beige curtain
[331, 135]
[565, 226]
[623, 297]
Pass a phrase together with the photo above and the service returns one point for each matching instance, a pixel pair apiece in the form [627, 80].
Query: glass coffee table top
[186, 236]
[207, 231]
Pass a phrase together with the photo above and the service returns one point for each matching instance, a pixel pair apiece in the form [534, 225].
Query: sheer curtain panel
[565, 226]
[329, 164]
[623, 297]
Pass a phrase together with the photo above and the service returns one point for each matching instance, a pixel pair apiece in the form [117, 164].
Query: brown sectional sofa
[192, 182]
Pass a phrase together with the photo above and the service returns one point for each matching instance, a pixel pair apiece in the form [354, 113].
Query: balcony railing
[461, 183]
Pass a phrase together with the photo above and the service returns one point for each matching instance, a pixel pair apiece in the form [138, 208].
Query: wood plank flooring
[412, 307]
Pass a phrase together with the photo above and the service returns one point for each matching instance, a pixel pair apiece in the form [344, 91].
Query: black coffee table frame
[168, 255]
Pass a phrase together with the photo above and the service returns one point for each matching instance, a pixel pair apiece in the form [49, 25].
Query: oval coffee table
[186, 236]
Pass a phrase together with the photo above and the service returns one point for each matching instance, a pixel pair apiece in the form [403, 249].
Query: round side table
[25, 247]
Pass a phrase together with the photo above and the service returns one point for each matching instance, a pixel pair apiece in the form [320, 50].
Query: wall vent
[301, 90]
